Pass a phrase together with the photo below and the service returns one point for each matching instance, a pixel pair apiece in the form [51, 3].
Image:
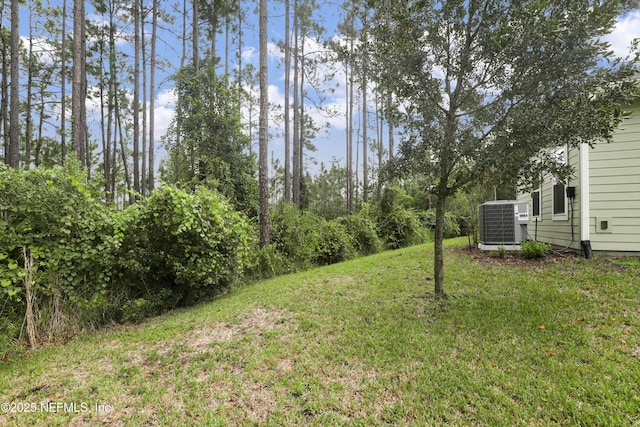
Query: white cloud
[249, 54]
[626, 29]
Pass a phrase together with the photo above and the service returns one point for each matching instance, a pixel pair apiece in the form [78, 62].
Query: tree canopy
[485, 85]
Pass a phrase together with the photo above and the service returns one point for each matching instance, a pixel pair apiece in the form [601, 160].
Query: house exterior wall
[614, 172]
[614, 193]
[556, 229]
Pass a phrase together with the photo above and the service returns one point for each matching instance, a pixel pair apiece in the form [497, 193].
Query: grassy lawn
[361, 343]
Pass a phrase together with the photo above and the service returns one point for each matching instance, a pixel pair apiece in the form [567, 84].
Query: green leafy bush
[295, 234]
[334, 244]
[362, 231]
[191, 244]
[268, 262]
[451, 225]
[54, 218]
[400, 228]
[531, 249]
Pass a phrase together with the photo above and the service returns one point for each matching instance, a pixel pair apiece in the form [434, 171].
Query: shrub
[53, 217]
[451, 225]
[362, 232]
[531, 249]
[295, 234]
[400, 228]
[187, 245]
[268, 262]
[334, 244]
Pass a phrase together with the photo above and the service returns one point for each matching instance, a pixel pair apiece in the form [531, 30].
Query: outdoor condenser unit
[503, 222]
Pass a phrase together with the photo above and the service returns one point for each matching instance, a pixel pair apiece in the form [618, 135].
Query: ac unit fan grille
[497, 224]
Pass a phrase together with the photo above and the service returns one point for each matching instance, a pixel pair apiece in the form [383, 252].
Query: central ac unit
[503, 222]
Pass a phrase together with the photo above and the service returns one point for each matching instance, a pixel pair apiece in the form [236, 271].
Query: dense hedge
[80, 263]
[178, 247]
[58, 239]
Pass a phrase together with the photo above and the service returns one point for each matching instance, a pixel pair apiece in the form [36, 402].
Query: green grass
[362, 343]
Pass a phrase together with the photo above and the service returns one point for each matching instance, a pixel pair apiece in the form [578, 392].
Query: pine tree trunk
[78, 89]
[63, 86]
[136, 96]
[287, 124]
[195, 38]
[152, 97]
[296, 111]
[263, 173]
[14, 119]
[365, 165]
[143, 132]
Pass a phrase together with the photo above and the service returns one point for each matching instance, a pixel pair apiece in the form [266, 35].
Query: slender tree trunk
[111, 103]
[28, 118]
[287, 124]
[365, 160]
[264, 129]
[106, 146]
[30, 298]
[78, 90]
[38, 150]
[14, 120]
[143, 133]
[296, 111]
[240, 60]
[350, 136]
[4, 101]
[302, 132]
[380, 149]
[391, 142]
[196, 36]
[226, 45]
[438, 257]
[183, 56]
[348, 133]
[152, 97]
[123, 150]
[63, 86]
[136, 96]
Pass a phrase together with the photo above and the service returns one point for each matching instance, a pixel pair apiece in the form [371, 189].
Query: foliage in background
[334, 244]
[207, 144]
[93, 264]
[295, 234]
[363, 231]
[183, 246]
[451, 226]
[51, 216]
[399, 226]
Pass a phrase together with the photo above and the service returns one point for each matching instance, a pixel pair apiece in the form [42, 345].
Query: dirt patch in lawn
[256, 322]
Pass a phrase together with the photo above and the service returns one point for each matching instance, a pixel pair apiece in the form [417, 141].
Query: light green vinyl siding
[552, 230]
[614, 180]
[615, 189]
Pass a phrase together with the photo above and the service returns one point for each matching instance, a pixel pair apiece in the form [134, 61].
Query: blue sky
[329, 144]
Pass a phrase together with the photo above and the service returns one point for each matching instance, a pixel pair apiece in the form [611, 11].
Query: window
[535, 204]
[559, 199]
[559, 202]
